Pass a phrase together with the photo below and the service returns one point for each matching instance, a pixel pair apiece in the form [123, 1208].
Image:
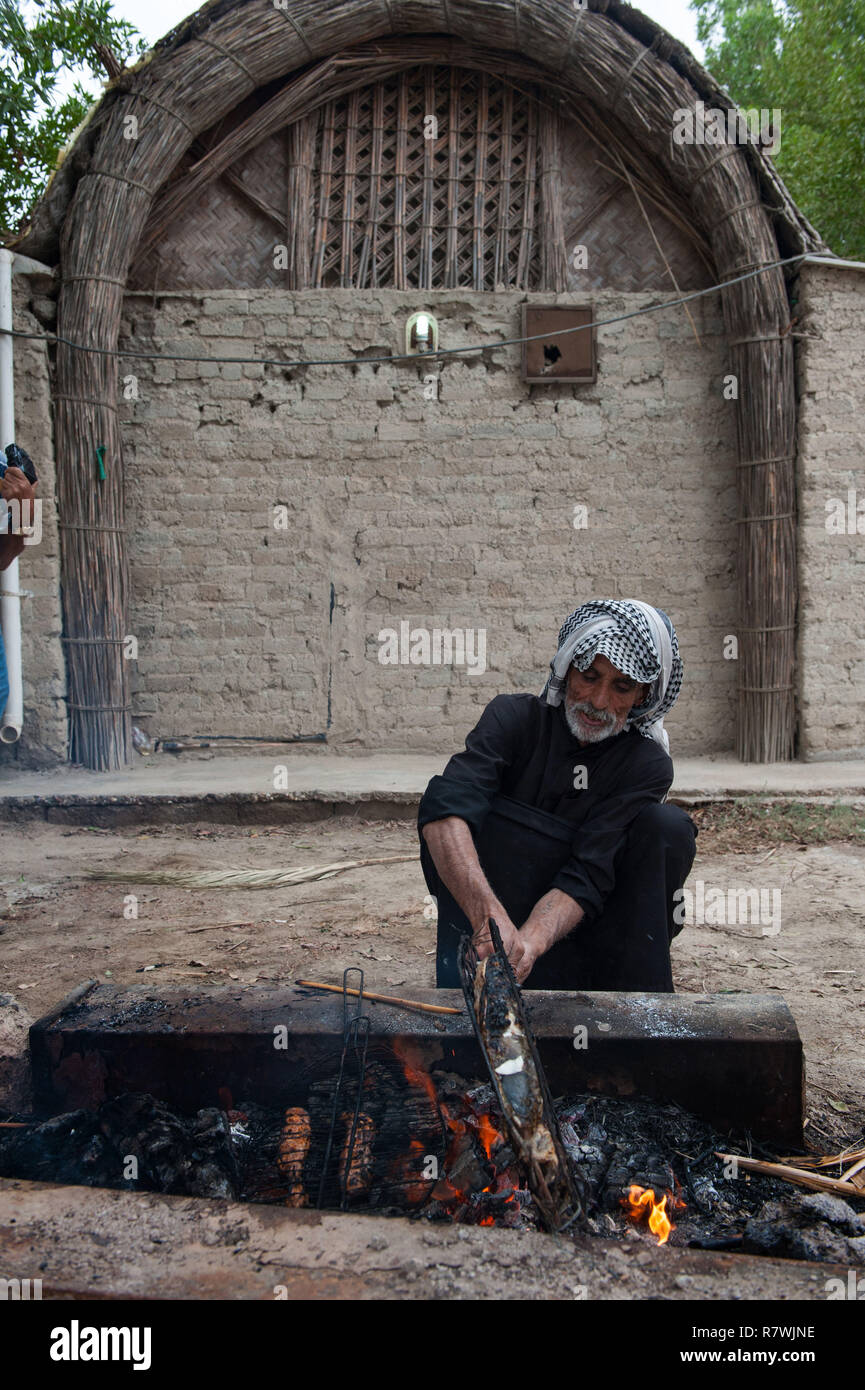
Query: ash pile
[617, 1146]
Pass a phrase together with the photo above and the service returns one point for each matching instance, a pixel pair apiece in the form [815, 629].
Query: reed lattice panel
[433, 177]
[427, 180]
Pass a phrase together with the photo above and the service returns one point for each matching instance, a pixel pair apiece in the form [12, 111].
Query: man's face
[599, 700]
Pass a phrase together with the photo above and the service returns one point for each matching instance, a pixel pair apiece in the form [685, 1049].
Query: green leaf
[37, 50]
[805, 58]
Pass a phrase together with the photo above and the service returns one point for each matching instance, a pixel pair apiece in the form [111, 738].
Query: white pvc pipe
[10, 595]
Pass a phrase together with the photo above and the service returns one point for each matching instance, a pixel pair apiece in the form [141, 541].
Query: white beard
[582, 731]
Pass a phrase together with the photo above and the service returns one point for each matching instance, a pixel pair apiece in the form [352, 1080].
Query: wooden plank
[527, 233]
[480, 181]
[554, 275]
[321, 229]
[347, 256]
[399, 245]
[501, 263]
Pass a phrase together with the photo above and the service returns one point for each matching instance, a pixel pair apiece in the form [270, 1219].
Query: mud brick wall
[454, 512]
[831, 309]
[43, 738]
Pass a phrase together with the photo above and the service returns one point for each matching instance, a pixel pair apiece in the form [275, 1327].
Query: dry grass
[750, 825]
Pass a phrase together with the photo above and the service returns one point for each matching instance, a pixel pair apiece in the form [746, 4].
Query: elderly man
[552, 820]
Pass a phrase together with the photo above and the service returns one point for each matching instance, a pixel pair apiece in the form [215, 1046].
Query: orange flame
[640, 1201]
[488, 1134]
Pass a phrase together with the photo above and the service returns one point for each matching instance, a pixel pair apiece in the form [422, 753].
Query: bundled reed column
[92, 507]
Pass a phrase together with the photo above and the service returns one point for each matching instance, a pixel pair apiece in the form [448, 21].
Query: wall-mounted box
[558, 355]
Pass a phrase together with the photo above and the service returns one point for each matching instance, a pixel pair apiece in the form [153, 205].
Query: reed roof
[343, 23]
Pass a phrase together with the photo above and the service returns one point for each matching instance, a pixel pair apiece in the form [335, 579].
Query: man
[551, 821]
[14, 487]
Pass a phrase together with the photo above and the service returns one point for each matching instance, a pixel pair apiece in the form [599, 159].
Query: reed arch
[632, 74]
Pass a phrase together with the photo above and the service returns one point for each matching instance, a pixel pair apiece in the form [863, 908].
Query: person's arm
[455, 806]
[553, 917]
[453, 852]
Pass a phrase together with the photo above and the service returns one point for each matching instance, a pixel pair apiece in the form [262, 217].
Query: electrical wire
[405, 356]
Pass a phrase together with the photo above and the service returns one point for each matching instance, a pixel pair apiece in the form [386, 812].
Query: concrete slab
[92, 1243]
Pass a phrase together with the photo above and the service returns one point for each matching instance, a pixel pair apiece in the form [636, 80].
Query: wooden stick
[382, 998]
[16, 1124]
[797, 1175]
[848, 1155]
[851, 1172]
[215, 926]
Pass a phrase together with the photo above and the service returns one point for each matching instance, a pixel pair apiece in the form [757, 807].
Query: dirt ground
[59, 929]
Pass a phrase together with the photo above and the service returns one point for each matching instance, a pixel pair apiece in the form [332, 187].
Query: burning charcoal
[172, 1155]
[707, 1193]
[574, 1115]
[504, 1156]
[482, 1097]
[467, 1170]
[603, 1225]
[94, 1154]
[590, 1153]
[731, 1242]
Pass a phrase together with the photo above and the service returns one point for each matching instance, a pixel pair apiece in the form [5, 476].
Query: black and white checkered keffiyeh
[640, 641]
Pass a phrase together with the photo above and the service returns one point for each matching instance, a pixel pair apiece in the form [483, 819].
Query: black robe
[521, 748]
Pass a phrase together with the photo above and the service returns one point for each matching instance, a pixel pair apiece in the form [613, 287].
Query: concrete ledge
[285, 808]
[239, 790]
[230, 808]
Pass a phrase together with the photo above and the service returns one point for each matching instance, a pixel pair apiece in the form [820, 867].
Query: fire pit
[307, 1102]
[649, 1172]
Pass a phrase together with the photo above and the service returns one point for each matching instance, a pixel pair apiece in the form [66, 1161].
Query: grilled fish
[511, 1062]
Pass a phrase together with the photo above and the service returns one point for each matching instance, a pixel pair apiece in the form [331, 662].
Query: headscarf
[640, 641]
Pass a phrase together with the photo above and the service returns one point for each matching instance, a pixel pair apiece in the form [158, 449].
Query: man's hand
[14, 487]
[453, 852]
[530, 953]
[512, 940]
